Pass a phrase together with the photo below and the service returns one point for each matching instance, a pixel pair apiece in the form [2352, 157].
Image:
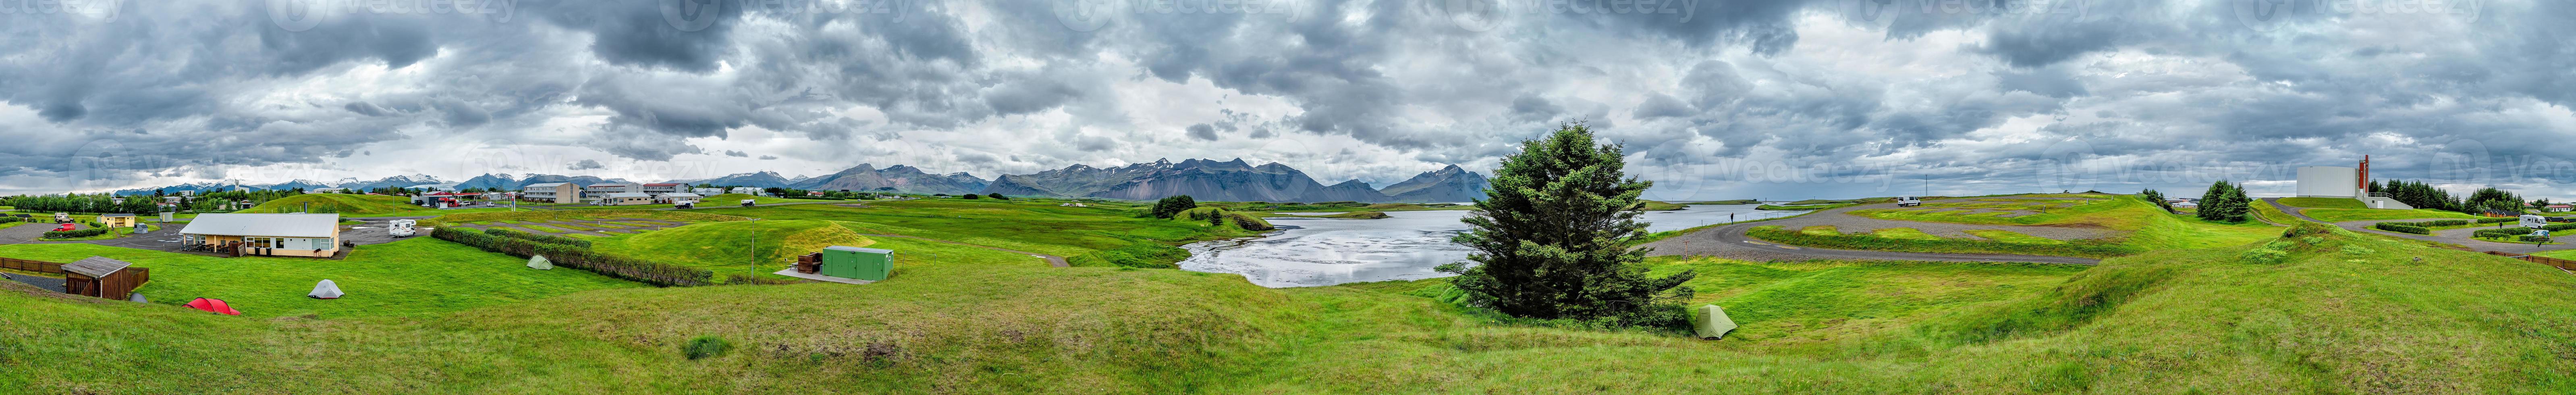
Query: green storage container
[872, 264]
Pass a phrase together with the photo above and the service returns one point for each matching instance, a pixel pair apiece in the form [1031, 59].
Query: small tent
[325, 290]
[539, 262]
[214, 305]
[1711, 322]
[138, 298]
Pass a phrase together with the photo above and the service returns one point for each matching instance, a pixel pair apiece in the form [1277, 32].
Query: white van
[1908, 201]
[2534, 221]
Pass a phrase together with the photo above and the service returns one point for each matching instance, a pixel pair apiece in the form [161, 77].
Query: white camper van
[1908, 201]
[2534, 221]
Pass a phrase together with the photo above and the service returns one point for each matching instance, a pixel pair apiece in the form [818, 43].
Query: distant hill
[504, 182]
[352, 183]
[901, 178]
[758, 179]
[1447, 185]
[1202, 179]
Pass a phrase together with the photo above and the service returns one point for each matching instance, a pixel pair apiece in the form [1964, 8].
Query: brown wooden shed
[103, 278]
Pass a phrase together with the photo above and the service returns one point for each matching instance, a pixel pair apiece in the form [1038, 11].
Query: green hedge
[74, 234]
[2401, 227]
[648, 272]
[2498, 220]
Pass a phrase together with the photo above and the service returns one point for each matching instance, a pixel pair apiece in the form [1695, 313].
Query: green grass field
[2339, 313]
[2342, 215]
[2142, 225]
[2316, 202]
[416, 277]
[735, 200]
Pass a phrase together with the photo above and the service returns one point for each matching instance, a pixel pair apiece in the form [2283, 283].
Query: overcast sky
[1713, 99]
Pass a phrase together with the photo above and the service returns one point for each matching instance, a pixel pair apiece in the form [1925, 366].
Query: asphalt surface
[1729, 241]
[2453, 236]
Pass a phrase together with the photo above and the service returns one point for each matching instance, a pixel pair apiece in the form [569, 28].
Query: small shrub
[707, 346]
[997, 195]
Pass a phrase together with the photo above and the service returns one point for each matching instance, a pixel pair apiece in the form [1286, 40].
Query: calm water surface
[1404, 246]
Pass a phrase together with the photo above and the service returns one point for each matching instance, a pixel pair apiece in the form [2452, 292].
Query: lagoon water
[1404, 246]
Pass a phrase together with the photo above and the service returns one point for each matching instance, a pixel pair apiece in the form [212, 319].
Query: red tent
[214, 305]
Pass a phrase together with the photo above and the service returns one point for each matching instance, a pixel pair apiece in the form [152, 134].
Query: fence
[2560, 263]
[33, 266]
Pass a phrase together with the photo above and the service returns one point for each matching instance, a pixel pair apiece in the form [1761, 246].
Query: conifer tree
[1554, 238]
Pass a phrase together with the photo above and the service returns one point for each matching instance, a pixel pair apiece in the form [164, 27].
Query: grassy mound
[2323, 312]
[1650, 205]
[729, 247]
[1820, 201]
[416, 277]
[337, 203]
[2318, 202]
[1348, 215]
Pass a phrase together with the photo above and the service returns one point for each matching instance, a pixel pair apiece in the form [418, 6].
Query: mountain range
[1203, 179]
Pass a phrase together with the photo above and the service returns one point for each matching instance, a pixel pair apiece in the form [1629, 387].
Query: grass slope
[728, 247]
[735, 200]
[2343, 314]
[2317, 202]
[417, 277]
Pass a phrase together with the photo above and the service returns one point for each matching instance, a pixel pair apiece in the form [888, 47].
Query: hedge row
[2497, 220]
[648, 272]
[70, 234]
[2506, 233]
[2401, 227]
[548, 239]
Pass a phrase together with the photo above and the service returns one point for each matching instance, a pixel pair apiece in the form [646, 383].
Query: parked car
[685, 206]
[67, 228]
[1908, 201]
[748, 202]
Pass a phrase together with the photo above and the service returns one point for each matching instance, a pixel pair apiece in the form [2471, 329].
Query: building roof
[680, 195]
[859, 249]
[96, 266]
[544, 185]
[631, 195]
[272, 225]
[609, 184]
[130, 215]
[663, 185]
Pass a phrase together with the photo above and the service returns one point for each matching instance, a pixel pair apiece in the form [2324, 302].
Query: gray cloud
[587, 164]
[2147, 93]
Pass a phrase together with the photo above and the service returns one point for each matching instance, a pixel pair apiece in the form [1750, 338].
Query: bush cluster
[2498, 220]
[548, 239]
[70, 234]
[2401, 227]
[1174, 205]
[648, 272]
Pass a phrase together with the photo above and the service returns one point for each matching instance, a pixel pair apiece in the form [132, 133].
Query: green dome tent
[1711, 322]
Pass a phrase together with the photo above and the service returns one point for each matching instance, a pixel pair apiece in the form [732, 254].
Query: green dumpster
[872, 264]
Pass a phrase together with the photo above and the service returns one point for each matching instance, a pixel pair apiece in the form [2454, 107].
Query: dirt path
[1730, 241]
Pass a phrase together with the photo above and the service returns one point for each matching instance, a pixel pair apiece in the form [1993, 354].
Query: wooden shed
[103, 278]
[118, 220]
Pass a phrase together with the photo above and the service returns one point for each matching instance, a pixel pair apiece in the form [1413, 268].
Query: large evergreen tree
[1554, 237]
[2225, 202]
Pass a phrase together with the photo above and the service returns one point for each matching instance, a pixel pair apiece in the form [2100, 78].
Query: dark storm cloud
[1203, 132]
[586, 164]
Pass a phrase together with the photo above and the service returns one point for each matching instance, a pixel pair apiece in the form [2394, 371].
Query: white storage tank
[2329, 181]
